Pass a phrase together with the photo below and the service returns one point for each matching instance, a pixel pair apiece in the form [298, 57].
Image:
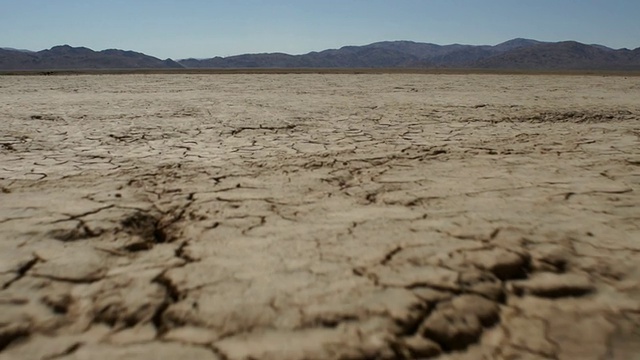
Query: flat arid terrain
[319, 216]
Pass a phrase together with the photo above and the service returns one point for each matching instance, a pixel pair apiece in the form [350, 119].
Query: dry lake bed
[319, 216]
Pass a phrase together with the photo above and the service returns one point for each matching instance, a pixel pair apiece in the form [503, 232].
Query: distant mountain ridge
[513, 54]
[66, 57]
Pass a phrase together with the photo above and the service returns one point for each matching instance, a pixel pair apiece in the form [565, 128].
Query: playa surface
[374, 216]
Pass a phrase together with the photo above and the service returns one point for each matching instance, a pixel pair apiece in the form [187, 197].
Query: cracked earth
[319, 217]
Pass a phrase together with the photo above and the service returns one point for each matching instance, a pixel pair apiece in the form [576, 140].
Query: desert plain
[319, 216]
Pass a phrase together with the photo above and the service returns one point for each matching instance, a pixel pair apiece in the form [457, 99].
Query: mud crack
[22, 271]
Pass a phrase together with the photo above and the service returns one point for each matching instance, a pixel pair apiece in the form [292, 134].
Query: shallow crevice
[218, 352]
[359, 271]
[59, 305]
[404, 351]
[9, 336]
[238, 130]
[371, 198]
[70, 350]
[80, 232]
[181, 253]
[22, 271]
[263, 220]
[158, 318]
[389, 256]
[116, 317]
[172, 295]
[571, 117]
[86, 280]
[412, 326]
[334, 322]
[138, 246]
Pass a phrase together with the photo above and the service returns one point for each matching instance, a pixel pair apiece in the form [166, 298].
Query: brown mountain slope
[513, 54]
[67, 57]
[564, 55]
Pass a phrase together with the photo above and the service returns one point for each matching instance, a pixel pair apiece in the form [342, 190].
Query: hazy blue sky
[207, 28]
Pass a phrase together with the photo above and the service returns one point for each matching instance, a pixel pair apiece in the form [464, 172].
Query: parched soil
[319, 216]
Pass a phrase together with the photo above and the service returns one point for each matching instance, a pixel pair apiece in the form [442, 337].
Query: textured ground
[319, 216]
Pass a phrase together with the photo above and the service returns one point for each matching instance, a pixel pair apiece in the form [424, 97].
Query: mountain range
[66, 57]
[513, 54]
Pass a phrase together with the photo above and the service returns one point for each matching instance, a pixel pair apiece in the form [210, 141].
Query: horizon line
[309, 52]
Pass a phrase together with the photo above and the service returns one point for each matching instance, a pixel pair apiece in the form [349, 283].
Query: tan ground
[319, 216]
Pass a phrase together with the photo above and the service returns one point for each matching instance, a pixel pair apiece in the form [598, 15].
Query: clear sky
[206, 28]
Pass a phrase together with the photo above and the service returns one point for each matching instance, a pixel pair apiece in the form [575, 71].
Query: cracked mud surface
[319, 216]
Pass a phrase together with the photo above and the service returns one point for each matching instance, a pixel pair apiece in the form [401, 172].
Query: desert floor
[319, 216]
